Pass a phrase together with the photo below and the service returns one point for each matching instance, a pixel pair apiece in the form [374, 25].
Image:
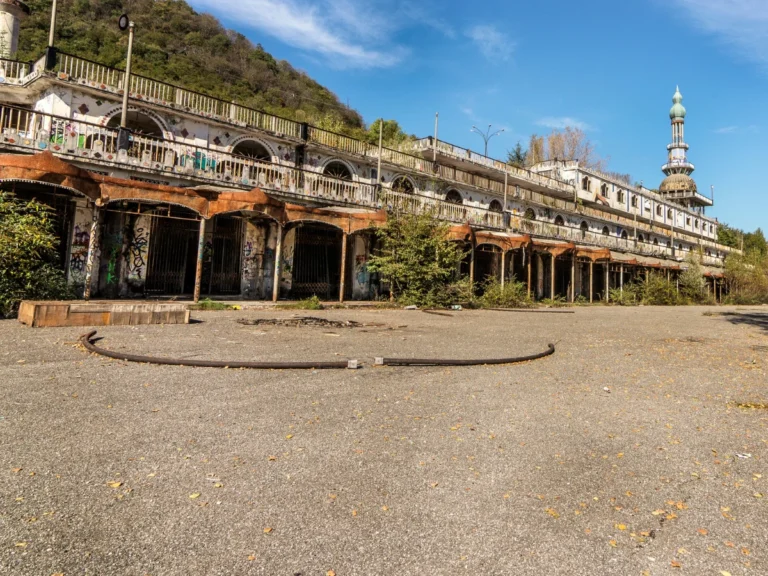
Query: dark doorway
[172, 256]
[316, 262]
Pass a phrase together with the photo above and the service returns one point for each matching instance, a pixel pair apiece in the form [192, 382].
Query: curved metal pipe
[85, 340]
[486, 362]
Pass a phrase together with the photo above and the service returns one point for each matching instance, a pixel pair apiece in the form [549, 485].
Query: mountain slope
[175, 44]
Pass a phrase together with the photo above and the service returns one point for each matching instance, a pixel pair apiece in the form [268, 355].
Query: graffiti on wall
[136, 254]
[78, 254]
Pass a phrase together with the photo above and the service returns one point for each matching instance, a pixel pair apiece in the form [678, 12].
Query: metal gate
[316, 262]
[172, 257]
[221, 272]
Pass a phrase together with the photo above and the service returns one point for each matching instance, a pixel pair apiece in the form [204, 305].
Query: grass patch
[209, 304]
[311, 303]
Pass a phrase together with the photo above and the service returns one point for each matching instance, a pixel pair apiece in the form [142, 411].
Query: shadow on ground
[757, 319]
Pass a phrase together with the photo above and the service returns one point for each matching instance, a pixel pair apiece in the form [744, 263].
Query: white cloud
[559, 123]
[727, 130]
[347, 33]
[493, 44]
[740, 24]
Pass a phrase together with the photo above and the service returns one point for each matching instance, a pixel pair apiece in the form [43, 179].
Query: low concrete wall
[49, 314]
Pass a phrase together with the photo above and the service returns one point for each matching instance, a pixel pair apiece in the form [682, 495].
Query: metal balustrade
[13, 71]
[31, 130]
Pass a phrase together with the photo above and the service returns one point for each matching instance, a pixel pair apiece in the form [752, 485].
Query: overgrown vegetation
[208, 304]
[175, 44]
[511, 295]
[419, 261]
[28, 255]
[747, 278]
[311, 303]
[656, 290]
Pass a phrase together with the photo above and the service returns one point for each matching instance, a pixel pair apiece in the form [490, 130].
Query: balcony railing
[448, 211]
[12, 71]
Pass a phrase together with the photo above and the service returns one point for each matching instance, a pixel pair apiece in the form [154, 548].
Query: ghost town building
[209, 197]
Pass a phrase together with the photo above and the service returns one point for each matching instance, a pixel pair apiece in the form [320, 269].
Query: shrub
[28, 255]
[511, 295]
[311, 303]
[693, 287]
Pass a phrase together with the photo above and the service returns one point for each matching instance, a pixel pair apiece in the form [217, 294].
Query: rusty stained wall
[259, 259]
[365, 286]
[78, 247]
[286, 262]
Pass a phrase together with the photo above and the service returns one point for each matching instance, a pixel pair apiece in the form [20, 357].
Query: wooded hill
[177, 45]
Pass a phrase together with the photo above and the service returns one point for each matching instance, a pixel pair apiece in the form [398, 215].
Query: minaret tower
[11, 14]
[678, 186]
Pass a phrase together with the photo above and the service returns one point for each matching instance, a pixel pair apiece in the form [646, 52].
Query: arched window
[586, 184]
[669, 214]
[338, 170]
[669, 244]
[604, 190]
[640, 238]
[620, 196]
[529, 214]
[454, 197]
[403, 185]
[139, 123]
[559, 221]
[624, 235]
[495, 206]
[634, 201]
[252, 150]
[696, 224]
[658, 211]
[655, 241]
[584, 226]
[606, 231]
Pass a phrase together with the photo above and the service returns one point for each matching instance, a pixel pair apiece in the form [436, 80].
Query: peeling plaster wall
[136, 254]
[258, 260]
[286, 264]
[78, 246]
[359, 253]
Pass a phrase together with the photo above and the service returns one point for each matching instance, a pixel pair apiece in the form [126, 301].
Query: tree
[27, 252]
[692, 283]
[418, 259]
[755, 242]
[728, 236]
[517, 156]
[392, 133]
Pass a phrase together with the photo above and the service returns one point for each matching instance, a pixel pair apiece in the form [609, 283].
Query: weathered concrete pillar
[573, 279]
[591, 270]
[200, 253]
[607, 281]
[472, 266]
[503, 267]
[552, 279]
[278, 260]
[342, 282]
[93, 246]
[512, 264]
[529, 274]
[621, 278]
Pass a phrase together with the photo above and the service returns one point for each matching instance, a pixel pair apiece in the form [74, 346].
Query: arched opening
[640, 238]
[606, 231]
[252, 150]
[604, 190]
[559, 221]
[696, 224]
[487, 264]
[495, 206]
[454, 197]
[655, 241]
[669, 214]
[138, 123]
[529, 214]
[584, 227]
[624, 235]
[586, 184]
[311, 263]
[658, 211]
[402, 185]
[338, 170]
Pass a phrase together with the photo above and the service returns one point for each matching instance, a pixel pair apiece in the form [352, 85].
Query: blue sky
[609, 67]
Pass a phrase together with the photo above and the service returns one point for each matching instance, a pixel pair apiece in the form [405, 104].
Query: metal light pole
[53, 24]
[486, 136]
[50, 51]
[123, 139]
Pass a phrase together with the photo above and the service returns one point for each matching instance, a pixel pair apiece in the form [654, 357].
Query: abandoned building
[205, 197]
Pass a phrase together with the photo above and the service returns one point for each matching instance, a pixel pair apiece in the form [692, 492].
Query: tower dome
[677, 112]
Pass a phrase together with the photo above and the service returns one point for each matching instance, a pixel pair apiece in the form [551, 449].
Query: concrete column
[511, 263]
[472, 266]
[342, 283]
[529, 274]
[93, 245]
[621, 278]
[573, 279]
[591, 270]
[607, 281]
[200, 252]
[552, 279]
[278, 260]
[503, 267]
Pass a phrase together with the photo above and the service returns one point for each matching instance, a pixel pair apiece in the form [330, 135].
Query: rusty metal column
[503, 267]
[200, 253]
[278, 259]
[591, 271]
[93, 245]
[552, 279]
[342, 283]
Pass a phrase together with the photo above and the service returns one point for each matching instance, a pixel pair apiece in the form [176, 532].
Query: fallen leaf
[289, 436]
[16, 470]
[385, 508]
[218, 485]
[676, 564]
[21, 544]
[658, 512]
[195, 495]
[114, 484]
[251, 558]
[724, 573]
[621, 526]
[703, 531]
[552, 512]
[613, 543]
[354, 512]
[330, 573]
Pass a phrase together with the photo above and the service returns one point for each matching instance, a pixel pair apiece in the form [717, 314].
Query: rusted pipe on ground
[86, 341]
[486, 362]
[531, 311]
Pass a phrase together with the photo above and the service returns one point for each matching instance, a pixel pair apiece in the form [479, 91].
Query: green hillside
[175, 44]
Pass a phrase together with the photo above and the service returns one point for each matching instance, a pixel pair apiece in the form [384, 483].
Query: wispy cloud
[347, 33]
[726, 130]
[561, 122]
[493, 44]
[740, 24]
[753, 128]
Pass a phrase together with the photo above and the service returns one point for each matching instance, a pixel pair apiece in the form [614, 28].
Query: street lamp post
[123, 138]
[486, 135]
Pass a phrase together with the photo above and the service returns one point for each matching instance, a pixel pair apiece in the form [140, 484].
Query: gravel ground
[114, 468]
